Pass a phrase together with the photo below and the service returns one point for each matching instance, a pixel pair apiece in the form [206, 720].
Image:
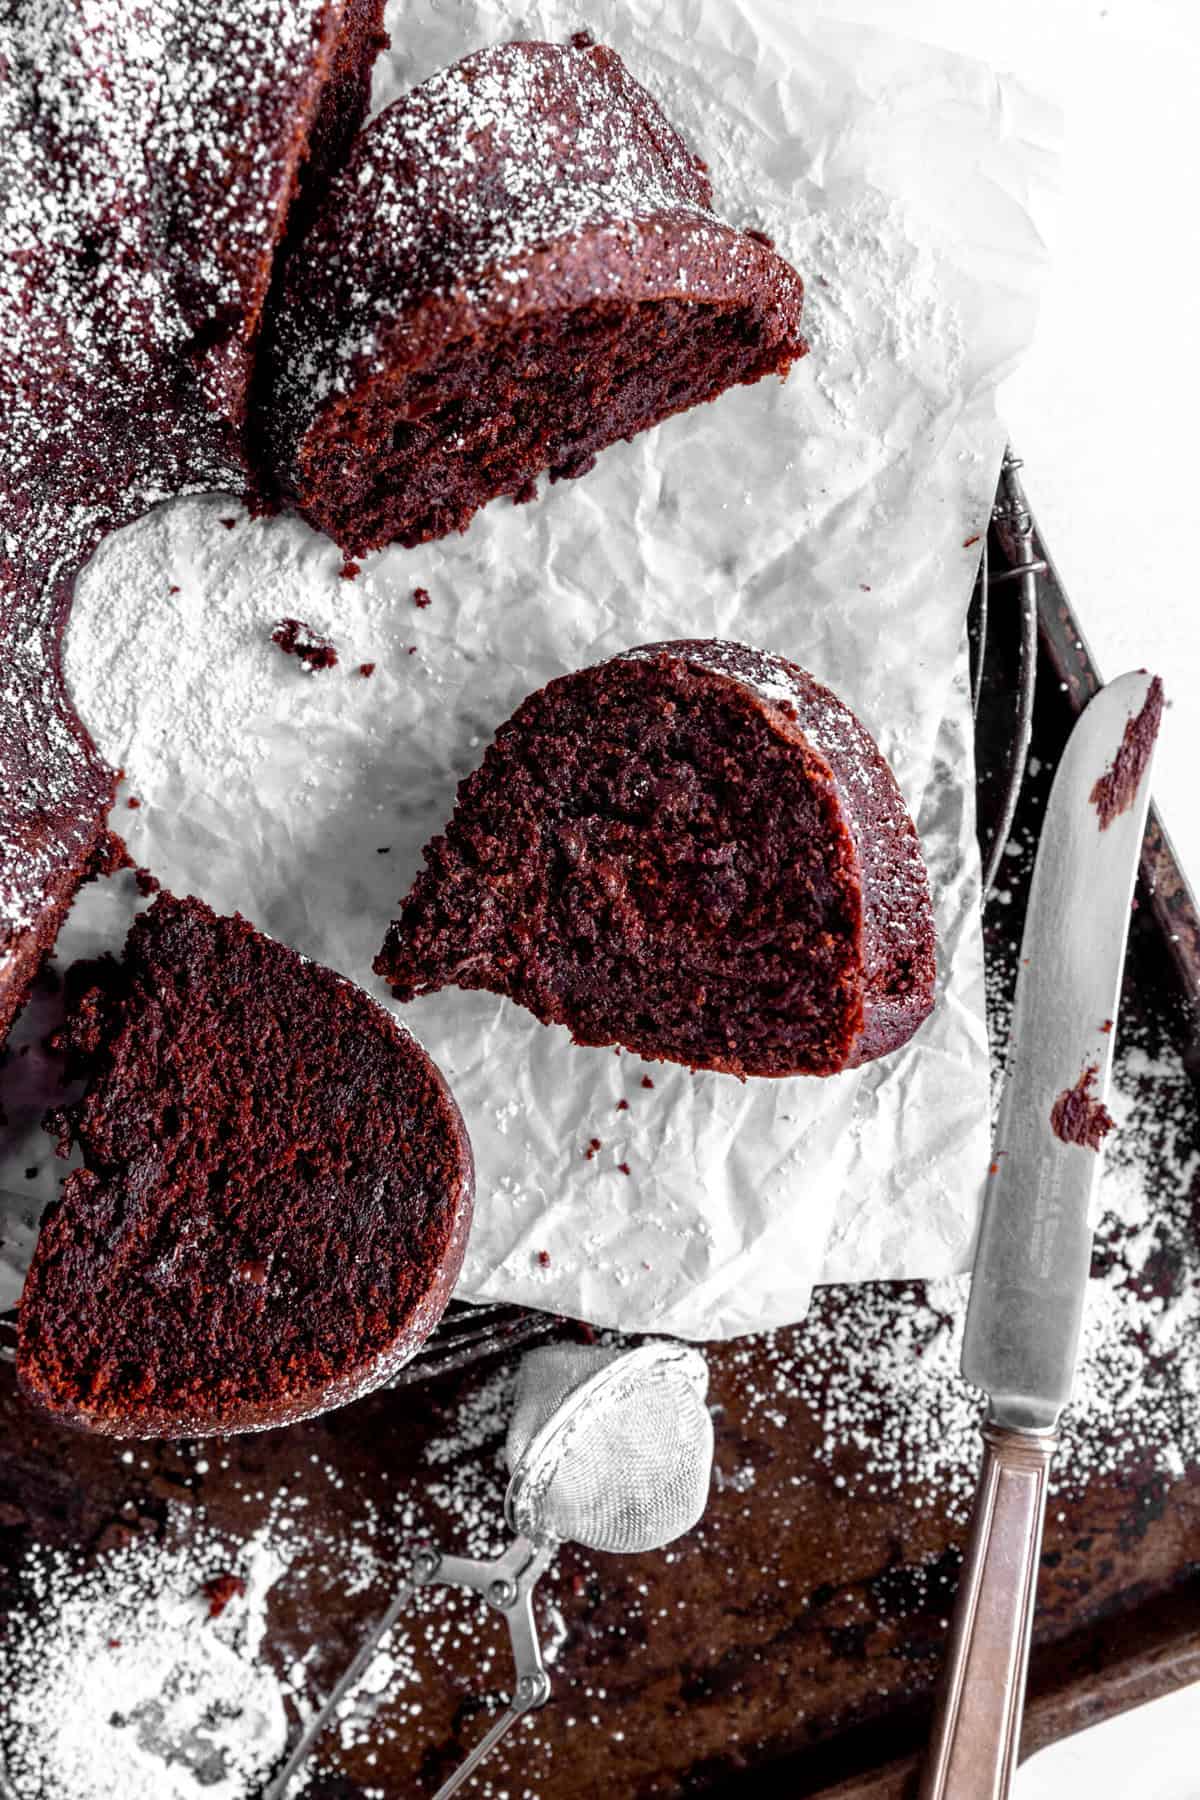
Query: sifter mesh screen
[609, 1448]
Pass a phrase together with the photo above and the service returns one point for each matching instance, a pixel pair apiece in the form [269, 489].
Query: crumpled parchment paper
[833, 518]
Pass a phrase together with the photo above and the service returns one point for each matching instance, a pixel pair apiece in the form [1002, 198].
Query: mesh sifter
[608, 1448]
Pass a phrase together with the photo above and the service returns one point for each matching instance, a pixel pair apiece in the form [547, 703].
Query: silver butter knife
[1034, 1252]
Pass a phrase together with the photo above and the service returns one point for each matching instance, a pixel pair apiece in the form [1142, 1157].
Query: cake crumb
[624, 1168]
[646, 1082]
[220, 1590]
[349, 569]
[594, 1144]
[622, 1106]
[366, 669]
[145, 882]
[110, 855]
[1077, 1117]
[1116, 790]
[421, 597]
[133, 803]
[297, 639]
[967, 542]
[543, 1257]
[229, 524]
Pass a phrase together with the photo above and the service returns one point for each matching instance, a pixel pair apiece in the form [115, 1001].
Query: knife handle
[977, 1728]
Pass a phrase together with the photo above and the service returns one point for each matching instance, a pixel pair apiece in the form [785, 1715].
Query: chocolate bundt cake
[149, 161]
[275, 1195]
[694, 851]
[519, 265]
[147, 168]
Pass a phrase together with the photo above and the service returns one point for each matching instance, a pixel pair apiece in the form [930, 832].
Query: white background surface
[1104, 413]
[1104, 409]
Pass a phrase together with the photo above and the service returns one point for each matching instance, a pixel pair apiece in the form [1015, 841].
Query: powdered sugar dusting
[881, 1371]
[140, 170]
[147, 158]
[873, 282]
[119, 1680]
[454, 188]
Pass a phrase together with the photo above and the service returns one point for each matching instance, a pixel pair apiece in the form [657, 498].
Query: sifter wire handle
[507, 1585]
[506, 1582]
[515, 1710]
[277, 1788]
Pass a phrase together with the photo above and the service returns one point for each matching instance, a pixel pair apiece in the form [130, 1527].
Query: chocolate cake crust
[519, 265]
[693, 850]
[275, 1196]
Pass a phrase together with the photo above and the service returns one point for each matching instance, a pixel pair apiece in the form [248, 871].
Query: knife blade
[1035, 1242]
[1033, 1256]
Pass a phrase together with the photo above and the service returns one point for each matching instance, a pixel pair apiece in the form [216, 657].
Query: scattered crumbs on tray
[221, 1589]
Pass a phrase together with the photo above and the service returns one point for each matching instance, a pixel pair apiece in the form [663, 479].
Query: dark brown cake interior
[519, 265]
[413, 456]
[649, 856]
[275, 1195]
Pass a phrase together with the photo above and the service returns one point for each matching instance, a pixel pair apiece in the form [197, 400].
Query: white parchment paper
[827, 518]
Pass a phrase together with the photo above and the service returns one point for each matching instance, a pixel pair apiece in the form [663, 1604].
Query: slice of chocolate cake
[519, 265]
[693, 850]
[275, 1196]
